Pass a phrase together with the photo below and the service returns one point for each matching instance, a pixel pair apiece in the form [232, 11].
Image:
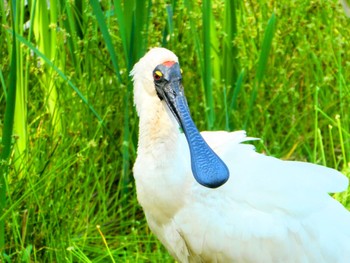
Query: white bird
[225, 202]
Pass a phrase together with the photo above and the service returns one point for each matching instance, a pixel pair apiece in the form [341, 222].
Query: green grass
[279, 70]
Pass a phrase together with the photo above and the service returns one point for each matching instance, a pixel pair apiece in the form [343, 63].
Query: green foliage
[277, 69]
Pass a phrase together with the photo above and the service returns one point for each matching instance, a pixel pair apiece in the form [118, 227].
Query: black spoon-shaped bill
[207, 167]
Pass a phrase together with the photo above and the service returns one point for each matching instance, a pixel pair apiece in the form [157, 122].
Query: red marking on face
[168, 64]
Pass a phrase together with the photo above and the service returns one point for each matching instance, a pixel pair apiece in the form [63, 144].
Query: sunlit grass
[280, 70]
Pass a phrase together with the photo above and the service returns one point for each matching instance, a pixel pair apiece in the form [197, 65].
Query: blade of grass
[331, 140]
[216, 61]
[262, 63]
[342, 144]
[194, 33]
[237, 89]
[231, 64]
[123, 29]
[320, 141]
[207, 63]
[168, 31]
[106, 36]
[105, 242]
[266, 48]
[316, 128]
[7, 136]
[227, 119]
[343, 93]
[233, 103]
[21, 111]
[78, 254]
[2, 81]
[71, 27]
[44, 28]
[138, 43]
[332, 121]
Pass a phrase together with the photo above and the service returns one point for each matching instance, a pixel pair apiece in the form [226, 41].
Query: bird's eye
[157, 75]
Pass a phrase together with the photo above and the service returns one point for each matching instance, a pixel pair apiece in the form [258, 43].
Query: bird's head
[144, 74]
[157, 78]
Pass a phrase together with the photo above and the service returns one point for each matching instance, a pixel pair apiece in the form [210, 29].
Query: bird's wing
[260, 170]
[269, 183]
[269, 211]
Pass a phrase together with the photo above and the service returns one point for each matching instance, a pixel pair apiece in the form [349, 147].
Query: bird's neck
[158, 131]
[161, 164]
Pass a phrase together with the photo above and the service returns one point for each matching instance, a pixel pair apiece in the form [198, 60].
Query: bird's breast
[162, 169]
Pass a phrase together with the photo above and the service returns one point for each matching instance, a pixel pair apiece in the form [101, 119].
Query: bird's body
[269, 210]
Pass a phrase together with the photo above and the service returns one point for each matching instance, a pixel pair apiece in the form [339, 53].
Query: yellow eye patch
[158, 73]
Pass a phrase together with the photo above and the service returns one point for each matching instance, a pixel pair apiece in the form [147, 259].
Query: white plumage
[268, 211]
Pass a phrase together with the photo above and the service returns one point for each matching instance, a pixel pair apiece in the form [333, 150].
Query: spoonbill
[208, 197]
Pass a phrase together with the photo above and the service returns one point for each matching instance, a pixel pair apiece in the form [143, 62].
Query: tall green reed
[21, 111]
[7, 137]
[207, 61]
[44, 25]
[262, 64]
